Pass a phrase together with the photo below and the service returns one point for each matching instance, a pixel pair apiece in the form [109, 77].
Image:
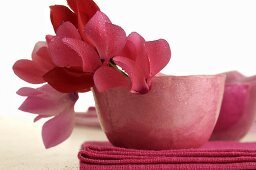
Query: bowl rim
[223, 76]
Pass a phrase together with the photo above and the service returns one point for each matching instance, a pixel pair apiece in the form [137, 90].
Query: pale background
[206, 37]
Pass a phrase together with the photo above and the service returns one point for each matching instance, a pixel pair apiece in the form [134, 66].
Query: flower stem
[113, 64]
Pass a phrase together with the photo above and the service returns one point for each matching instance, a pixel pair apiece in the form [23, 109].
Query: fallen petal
[92, 109]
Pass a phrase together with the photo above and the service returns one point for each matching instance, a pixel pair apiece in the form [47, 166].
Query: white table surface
[22, 147]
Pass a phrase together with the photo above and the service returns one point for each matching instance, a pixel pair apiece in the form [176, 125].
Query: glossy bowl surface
[238, 107]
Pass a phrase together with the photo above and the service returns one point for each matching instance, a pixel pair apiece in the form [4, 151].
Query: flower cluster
[88, 51]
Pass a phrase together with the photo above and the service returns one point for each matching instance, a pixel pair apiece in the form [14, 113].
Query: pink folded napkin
[214, 155]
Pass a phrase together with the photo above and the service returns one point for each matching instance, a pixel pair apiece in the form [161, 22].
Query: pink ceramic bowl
[238, 107]
[178, 112]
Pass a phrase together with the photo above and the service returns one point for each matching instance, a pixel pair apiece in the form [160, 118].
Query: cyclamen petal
[141, 59]
[72, 5]
[62, 55]
[68, 81]
[139, 43]
[40, 117]
[68, 30]
[106, 78]
[51, 92]
[159, 55]
[109, 39]
[47, 102]
[85, 7]
[60, 14]
[29, 71]
[115, 39]
[129, 50]
[28, 91]
[45, 90]
[89, 56]
[136, 74]
[41, 56]
[41, 105]
[58, 129]
[44, 100]
[84, 10]
[93, 31]
[84, 14]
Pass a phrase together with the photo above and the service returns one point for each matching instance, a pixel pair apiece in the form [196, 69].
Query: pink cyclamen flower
[238, 107]
[70, 51]
[56, 64]
[71, 73]
[140, 59]
[79, 13]
[73, 62]
[76, 65]
[47, 102]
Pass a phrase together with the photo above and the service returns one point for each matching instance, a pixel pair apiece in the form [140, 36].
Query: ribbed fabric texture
[213, 155]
